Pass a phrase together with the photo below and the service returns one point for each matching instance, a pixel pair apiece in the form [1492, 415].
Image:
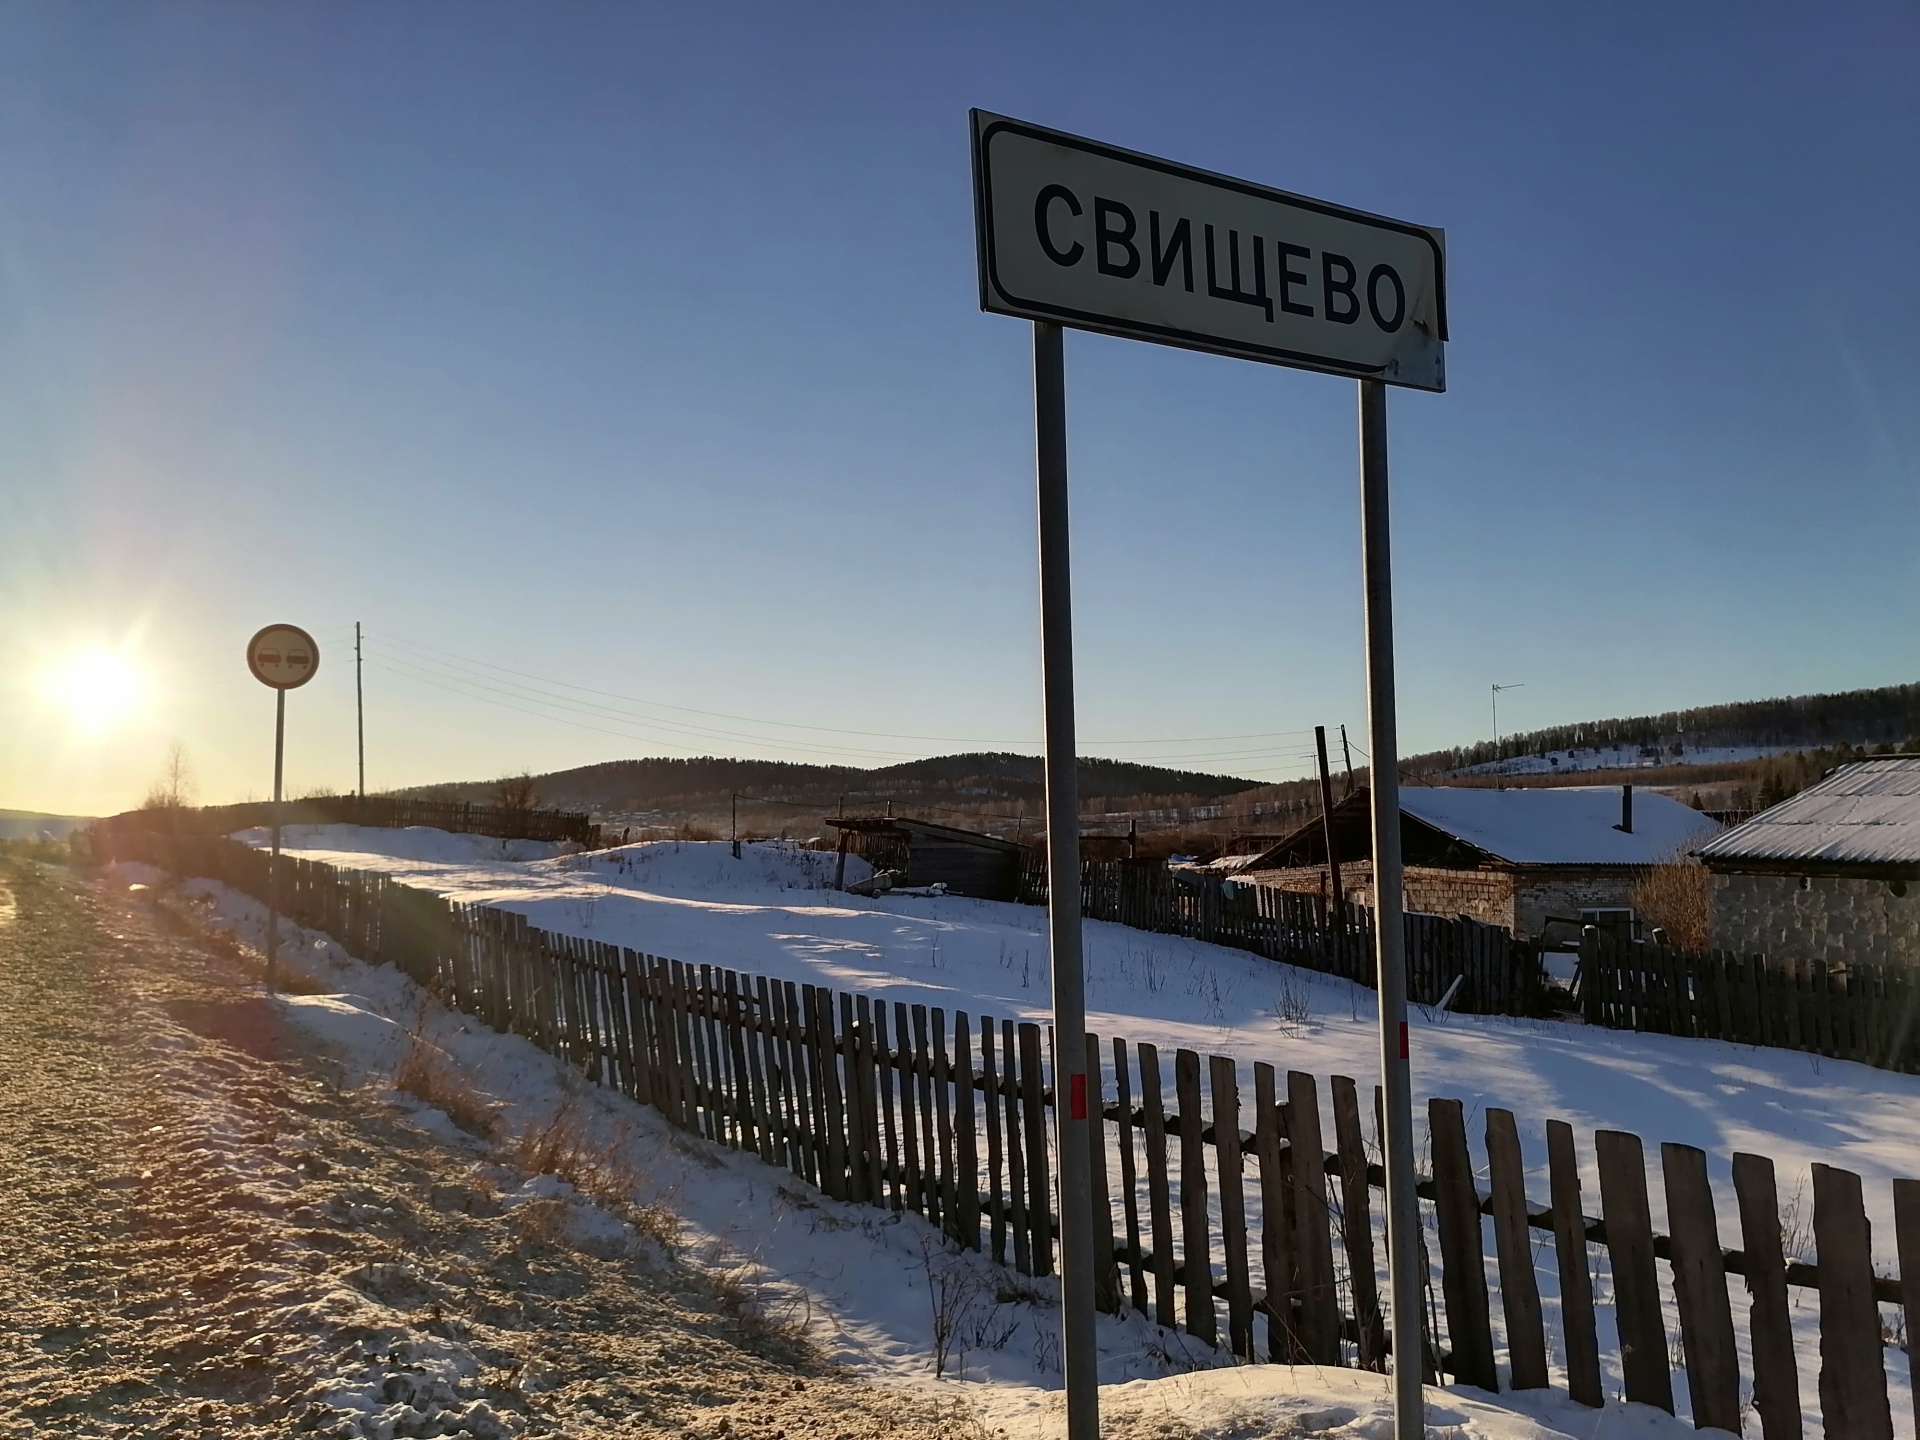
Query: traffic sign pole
[273, 865]
[1078, 1356]
[282, 657]
[1403, 1213]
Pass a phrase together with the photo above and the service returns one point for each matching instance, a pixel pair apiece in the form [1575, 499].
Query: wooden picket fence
[1851, 1011]
[1496, 973]
[1257, 1237]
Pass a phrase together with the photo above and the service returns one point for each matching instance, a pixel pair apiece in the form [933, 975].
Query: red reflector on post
[1403, 1040]
[1078, 1100]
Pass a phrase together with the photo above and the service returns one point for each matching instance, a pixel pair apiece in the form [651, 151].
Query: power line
[464, 660]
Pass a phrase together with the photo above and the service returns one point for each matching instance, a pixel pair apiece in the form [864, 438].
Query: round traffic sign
[283, 656]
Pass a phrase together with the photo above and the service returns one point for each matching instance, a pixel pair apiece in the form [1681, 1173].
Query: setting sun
[97, 688]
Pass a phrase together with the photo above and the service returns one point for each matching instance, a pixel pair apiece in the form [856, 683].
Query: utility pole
[1496, 706]
[1326, 829]
[1347, 750]
[359, 713]
[736, 827]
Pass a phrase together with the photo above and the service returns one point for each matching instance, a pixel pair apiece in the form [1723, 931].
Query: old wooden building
[965, 861]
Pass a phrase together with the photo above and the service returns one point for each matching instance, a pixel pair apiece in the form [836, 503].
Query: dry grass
[1672, 896]
[566, 1148]
[185, 915]
[429, 1074]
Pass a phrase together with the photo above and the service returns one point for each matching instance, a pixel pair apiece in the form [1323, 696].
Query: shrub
[1672, 896]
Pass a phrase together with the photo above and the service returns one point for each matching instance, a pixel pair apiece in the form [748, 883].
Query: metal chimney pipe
[1626, 809]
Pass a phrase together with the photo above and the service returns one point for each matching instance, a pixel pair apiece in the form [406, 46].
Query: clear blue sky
[638, 348]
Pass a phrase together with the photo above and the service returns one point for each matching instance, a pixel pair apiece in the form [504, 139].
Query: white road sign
[283, 656]
[1088, 235]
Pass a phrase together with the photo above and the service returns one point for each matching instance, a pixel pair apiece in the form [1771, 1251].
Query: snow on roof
[1567, 825]
[1866, 813]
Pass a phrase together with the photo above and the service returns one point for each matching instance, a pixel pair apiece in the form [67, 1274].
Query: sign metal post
[1073, 232]
[284, 658]
[1403, 1206]
[1078, 1353]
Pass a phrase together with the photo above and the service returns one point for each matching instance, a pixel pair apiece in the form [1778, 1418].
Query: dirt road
[202, 1233]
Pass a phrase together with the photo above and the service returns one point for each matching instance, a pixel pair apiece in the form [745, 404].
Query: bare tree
[516, 793]
[174, 788]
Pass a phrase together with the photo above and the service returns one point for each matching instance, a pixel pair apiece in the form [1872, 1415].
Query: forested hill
[684, 785]
[1889, 715]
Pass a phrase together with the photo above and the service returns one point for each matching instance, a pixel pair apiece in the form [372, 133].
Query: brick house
[1831, 874]
[1523, 859]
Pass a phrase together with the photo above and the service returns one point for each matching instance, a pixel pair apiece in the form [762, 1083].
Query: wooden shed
[965, 861]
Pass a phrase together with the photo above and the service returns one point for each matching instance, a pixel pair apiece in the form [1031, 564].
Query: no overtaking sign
[1085, 234]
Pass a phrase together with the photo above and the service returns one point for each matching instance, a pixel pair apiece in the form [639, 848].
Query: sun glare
[97, 688]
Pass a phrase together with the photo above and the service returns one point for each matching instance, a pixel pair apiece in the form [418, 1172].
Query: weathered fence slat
[1224, 1081]
[1700, 1287]
[1853, 1372]
[1159, 1210]
[1106, 1273]
[1906, 1225]
[1129, 1180]
[1636, 1286]
[930, 1168]
[1519, 1290]
[1576, 1278]
[942, 1079]
[895, 1062]
[1356, 1224]
[1034, 1131]
[1312, 1222]
[996, 1207]
[1023, 1259]
[1463, 1265]
[966, 1150]
[1776, 1378]
[1284, 1345]
[1196, 1245]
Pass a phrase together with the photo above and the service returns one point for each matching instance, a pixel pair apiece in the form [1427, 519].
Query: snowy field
[772, 912]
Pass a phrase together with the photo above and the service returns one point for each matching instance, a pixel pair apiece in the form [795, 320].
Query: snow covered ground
[772, 912]
[867, 1286]
[1622, 757]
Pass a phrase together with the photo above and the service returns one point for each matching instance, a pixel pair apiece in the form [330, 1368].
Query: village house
[1533, 860]
[1832, 874]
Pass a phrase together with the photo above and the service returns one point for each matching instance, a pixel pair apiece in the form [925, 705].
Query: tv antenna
[1496, 689]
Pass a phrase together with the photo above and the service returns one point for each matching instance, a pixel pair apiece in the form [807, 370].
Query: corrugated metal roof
[1866, 813]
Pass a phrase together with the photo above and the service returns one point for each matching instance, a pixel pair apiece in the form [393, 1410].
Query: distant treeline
[1889, 715]
[969, 780]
